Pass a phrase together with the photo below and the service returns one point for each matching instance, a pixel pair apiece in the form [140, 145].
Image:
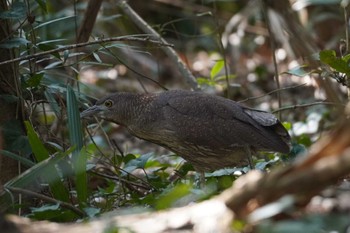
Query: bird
[208, 131]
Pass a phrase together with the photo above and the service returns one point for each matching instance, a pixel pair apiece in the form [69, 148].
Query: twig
[48, 199]
[190, 79]
[122, 180]
[307, 105]
[271, 92]
[79, 45]
[273, 48]
[346, 41]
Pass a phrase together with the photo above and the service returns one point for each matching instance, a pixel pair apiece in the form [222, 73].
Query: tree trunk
[8, 87]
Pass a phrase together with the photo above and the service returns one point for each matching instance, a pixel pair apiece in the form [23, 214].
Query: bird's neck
[133, 107]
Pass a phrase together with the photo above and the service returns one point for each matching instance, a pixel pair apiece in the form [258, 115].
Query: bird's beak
[91, 111]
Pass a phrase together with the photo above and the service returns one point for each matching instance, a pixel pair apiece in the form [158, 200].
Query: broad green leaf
[216, 69]
[35, 80]
[43, 168]
[52, 212]
[167, 199]
[16, 139]
[38, 148]
[139, 162]
[26, 179]
[57, 187]
[329, 57]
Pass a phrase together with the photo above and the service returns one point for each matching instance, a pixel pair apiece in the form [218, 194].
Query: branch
[79, 45]
[48, 199]
[190, 79]
[308, 105]
[88, 23]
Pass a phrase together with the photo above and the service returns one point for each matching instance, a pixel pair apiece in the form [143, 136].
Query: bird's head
[101, 109]
[114, 107]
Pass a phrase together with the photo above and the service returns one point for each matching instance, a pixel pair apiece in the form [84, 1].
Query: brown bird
[208, 131]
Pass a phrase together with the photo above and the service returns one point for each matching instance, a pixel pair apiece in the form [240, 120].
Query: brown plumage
[208, 131]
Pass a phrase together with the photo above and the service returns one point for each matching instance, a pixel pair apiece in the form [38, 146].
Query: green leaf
[287, 125]
[139, 162]
[42, 4]
[19, 158]
[14, 43]
[53, 103]
[48, 47]
[167, 199]
[57, 187]
[35, 80]
[74, 122]
[18, 10]
[206, 81]
[81, 178]
[97, 57]
[329, 57]
[76, 139]
[27, 178]
[44, 168]
[299, 71]
[224, 77]
[222, 172]
[9, 98]
[38, 148]
[216, 68]
[52, 212]
[46, 23]
[346, 58]
[15, 139]
[92, 212]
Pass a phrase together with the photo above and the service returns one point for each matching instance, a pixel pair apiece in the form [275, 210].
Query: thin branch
[122, 180]
[48, 199]
[271, 92]
[346, 41]
[79, 45]
[307, 105]
[190, 79]
[273, 48]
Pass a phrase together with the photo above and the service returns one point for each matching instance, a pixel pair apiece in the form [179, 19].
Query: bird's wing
[263, 118]
[203, 119]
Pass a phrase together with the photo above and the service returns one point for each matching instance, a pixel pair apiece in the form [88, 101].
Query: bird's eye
[108, 103]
